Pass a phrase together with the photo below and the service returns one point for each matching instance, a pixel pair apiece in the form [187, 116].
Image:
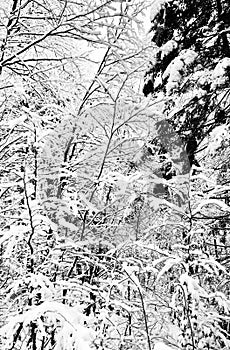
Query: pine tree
[190, 69]
[191, 65]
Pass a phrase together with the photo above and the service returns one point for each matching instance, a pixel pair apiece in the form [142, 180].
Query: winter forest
[114, 174]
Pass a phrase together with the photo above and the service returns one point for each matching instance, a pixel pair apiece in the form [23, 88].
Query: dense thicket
[114, 205]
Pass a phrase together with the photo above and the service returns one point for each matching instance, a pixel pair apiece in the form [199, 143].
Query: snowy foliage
[177, 68]
[221, 73]
[114, 225]
[157, 5]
